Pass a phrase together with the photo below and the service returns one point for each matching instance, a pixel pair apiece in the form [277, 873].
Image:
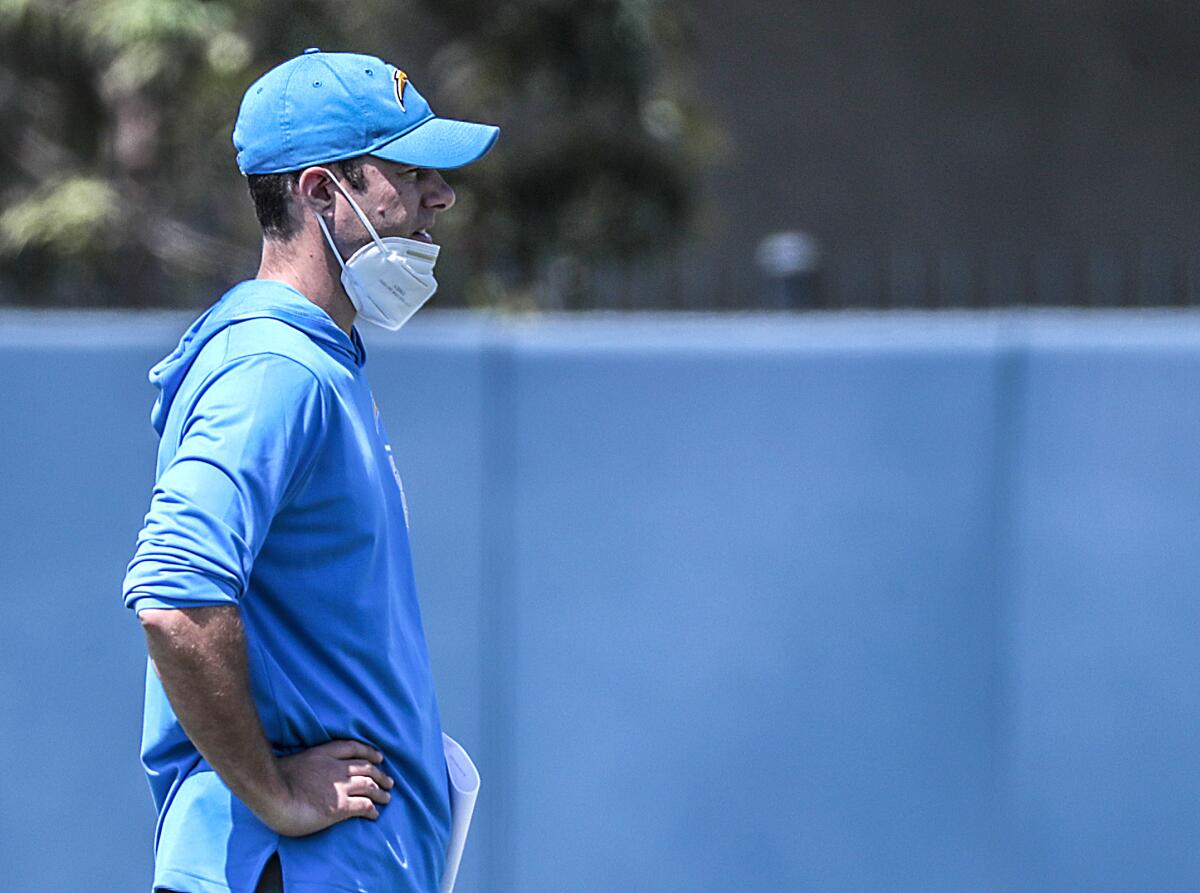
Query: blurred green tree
[122, 188]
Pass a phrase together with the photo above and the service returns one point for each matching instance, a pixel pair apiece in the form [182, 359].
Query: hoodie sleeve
[249, 440]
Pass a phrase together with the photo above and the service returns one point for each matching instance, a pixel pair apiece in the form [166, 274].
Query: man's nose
[439, 195]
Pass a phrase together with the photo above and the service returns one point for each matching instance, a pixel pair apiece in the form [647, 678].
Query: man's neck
[310, 274]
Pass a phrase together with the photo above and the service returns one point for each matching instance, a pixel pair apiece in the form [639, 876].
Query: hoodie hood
[255, 299]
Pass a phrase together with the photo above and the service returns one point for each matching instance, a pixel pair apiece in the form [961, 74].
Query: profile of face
[398, 199]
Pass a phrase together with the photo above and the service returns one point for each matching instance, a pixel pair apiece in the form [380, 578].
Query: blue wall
[742, 603]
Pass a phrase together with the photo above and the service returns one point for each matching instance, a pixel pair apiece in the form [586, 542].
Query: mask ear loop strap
[357, 210]
[329, 239]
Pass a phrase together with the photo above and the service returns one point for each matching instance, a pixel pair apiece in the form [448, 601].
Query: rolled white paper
[464, 788]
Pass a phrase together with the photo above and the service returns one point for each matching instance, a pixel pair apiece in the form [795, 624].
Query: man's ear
[315, 190]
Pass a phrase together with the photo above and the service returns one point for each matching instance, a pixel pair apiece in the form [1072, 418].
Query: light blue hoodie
[276, 492]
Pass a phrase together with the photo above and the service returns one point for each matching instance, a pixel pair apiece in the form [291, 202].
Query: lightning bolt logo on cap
[400, 79]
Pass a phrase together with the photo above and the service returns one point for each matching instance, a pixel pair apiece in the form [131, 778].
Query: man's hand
[326, 784]
[200, 657]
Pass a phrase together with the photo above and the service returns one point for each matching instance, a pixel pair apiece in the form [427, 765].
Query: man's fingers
[352, 750]
[362, 807]
[361, 786]
[380, 777]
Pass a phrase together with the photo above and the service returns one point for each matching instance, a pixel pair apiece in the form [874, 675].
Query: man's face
[398, 199]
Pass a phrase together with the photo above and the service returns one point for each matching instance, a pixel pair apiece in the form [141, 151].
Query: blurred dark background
[690, 155]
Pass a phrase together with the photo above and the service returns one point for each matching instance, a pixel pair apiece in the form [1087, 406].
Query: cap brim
[440, 143]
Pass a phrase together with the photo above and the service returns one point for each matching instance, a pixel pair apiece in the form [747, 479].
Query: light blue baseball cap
[322, 107]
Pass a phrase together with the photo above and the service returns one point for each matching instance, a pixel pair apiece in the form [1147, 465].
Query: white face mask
[389, 279]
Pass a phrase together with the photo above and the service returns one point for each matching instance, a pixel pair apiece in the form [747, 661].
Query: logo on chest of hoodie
[387, 447]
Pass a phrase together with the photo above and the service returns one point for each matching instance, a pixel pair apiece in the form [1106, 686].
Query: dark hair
[272, 194]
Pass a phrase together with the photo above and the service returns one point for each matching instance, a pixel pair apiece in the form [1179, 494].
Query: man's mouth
[422, 235]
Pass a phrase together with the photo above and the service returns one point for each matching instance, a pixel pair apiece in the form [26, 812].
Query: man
[291, 733]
